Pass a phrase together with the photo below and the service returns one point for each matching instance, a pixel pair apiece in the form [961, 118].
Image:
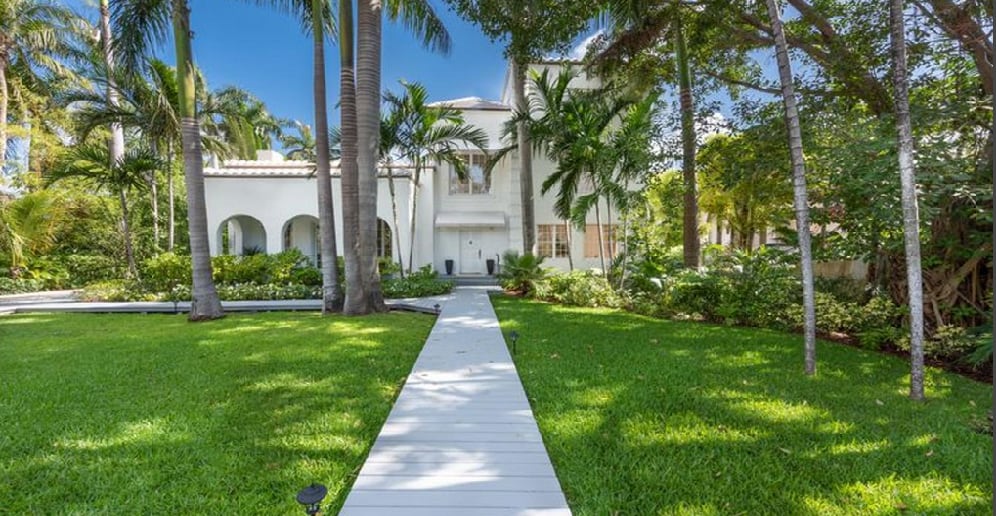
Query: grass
[644, 416]
[152, 414]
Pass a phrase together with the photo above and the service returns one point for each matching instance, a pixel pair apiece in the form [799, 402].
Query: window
[476, 182]
[610, 246]
[384, 247]
[552, 240]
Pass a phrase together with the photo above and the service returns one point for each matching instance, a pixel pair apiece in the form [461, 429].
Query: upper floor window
[476, 181]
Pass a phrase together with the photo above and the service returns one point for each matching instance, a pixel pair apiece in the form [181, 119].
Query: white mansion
[270, 205]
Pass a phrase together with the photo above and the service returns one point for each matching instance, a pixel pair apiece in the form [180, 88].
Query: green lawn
[152, 414]
[644, 416]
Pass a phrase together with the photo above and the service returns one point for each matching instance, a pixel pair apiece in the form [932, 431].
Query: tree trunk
[171, 242]
[570, 246]
[154, 204]
[3, 113]
[690, 220]
[368, 98]
[397, 223]
[416, 178]
[116, 146]
[205, 304]
[799, 184]
[332, 298]
[126, 236]
[601, 244]
[350, 174]
[525, 160]
[907, 179]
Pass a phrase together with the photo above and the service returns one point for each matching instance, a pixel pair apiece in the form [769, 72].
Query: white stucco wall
[274, 201]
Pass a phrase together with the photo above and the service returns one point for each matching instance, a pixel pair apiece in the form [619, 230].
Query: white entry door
[471, 254]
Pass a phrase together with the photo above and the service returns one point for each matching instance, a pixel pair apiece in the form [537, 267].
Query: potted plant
[449, 267]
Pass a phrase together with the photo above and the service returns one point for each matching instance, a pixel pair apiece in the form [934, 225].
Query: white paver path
[461, 440]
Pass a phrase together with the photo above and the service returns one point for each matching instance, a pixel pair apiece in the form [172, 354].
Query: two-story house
[270, 204]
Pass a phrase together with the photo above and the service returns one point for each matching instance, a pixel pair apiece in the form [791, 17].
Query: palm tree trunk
[601, 244]
[525, 160]
[332, 298]
[350, 174]
[690, 221]
[3, 112]
[171, 242]
[610, 231]
[416, 178]
[799, 183]
[126, 236]
[911, 216]
[397, 222]
[570, 246]
[205, 303]
[154, 204]
[368, 98]
[116, 146]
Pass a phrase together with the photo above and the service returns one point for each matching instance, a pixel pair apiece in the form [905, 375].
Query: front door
[471, 255]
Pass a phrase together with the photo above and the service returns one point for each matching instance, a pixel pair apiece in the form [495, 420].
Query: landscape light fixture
[437, 308]
[515, 338]
[311, 498]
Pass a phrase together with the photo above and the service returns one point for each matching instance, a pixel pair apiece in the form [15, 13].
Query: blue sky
[265, 52]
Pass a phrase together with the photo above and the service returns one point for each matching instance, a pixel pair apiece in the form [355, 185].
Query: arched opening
[241, 235]
[385, 239]
[301, 233]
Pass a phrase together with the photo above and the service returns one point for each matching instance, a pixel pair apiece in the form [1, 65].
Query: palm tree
[143, 23]
[430, 134]
[799, 182]
[360, 110]
[242, 121]
[390, 127]
[300, 146]
[94, 164]
[911, 216]
[34, 36]
[116, 145]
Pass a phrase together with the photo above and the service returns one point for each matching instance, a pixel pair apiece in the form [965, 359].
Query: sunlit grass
[644, 416]
[152, 414]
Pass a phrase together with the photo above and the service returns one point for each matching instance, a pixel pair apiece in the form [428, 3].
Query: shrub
[165, 271]
[115, 290]
[231, 270]
[421, 283]
[267, 292]
[20, 286]
[280, 267]
[83, 269]
[842, 289]
[309, 276]
[761, 287]
[520, 273]
[578, 288]
[693, 292]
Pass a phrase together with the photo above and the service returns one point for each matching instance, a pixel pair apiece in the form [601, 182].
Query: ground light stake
[311, 498]
[515, 338]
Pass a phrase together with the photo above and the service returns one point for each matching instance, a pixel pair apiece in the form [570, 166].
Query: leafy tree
[144, 23]
[799, 182]
[94, 164]
[429, 134]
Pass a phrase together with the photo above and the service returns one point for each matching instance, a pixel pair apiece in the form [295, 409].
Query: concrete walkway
[461, 439]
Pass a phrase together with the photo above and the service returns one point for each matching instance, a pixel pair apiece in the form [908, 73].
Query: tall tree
[799, 181]
[360, 110]
[144, 23]
[530, 28]
[332, 296]
[911, 214]
[688, 144]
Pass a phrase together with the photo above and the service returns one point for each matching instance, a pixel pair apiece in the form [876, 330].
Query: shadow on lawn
[643, 416]
[153, 414]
